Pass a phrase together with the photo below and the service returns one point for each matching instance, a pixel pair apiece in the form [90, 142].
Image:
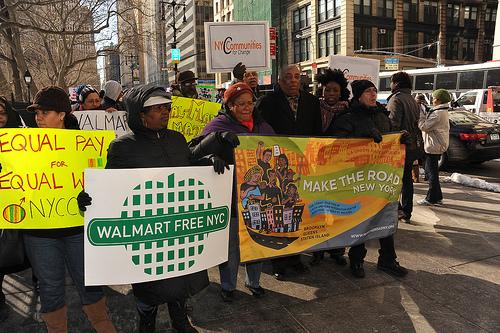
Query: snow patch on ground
[472, 182]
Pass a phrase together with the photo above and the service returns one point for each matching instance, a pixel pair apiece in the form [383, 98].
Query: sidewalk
[452, 253]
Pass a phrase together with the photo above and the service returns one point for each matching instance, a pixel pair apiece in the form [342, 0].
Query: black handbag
[11, 249]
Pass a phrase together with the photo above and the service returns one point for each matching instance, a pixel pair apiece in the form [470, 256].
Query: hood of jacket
[14, 119]
[134, 100]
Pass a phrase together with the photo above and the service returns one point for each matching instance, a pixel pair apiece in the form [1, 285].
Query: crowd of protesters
[286, 111]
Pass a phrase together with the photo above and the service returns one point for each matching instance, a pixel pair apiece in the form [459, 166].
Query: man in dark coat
[151, 145]
[290, 111]
[404, 115]
[366, 118]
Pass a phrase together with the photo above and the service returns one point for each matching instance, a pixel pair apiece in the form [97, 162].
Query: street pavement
[452, 253]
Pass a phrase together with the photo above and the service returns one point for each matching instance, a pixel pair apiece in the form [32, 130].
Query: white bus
[456, 79]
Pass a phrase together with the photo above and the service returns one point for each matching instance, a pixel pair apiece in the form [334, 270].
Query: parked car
[483, 102]
[472, 139]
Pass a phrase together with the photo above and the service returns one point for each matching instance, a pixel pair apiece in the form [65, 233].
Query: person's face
[189, 87]
[156, 116]
[291, 190]
[436, 102]
[49, 119]
[251, 78]
[290, 82]
[369, 97]
[272, 177]
[242, 107]
[393, 85]
[4, 117]
[255, 177]
[267, 156]
[331, 93]
[92, 102]
[281, 162]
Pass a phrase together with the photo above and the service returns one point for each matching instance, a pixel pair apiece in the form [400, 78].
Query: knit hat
[51, 99]
[236, 90]
[359, 86]
[85, 91]
[186, 76]
[442, 95]
[112, 90]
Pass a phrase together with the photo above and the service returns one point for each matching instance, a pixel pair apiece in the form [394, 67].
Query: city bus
[456, 79]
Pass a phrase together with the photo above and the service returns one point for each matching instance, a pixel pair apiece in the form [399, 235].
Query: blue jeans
[49, 258]
[229, 269]
[434, 194]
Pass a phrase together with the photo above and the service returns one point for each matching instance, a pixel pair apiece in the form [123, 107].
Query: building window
[470, 16]
[431, 12]
[410, 10]
[362, 37]
[453, 14]
[228, 16]
[363, 7]
[469, 49]
[385, 8]
[490, 14]
[328, 9]
[452, 47]
[430, 51]
[302, 49]
[302, 18]
[216, 7]
[328, 43]
[488, 50]
[410, 42]
[386, 39]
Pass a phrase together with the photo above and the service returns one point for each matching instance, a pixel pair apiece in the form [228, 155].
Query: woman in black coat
[152, 145]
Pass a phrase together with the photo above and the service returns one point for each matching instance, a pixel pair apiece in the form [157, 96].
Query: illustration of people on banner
[307, 194]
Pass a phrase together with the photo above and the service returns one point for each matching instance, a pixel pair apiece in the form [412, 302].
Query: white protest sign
[356, 68]
[102, 120]
[155, 223]
[228, 43]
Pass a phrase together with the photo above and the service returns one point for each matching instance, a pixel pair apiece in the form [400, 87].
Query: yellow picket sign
[42, 173]
[189, 116]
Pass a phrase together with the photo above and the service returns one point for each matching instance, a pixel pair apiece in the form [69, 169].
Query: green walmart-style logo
[162, 225]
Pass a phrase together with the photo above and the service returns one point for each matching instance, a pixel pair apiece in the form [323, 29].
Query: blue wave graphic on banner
[332, 207]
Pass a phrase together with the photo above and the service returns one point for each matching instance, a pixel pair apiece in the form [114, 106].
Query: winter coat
[276, 111]
[435, 127]
[209, 141]
[404, 115]
[360, 121]
[146, 148]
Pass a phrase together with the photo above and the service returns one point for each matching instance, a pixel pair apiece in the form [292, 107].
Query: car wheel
[443, 161]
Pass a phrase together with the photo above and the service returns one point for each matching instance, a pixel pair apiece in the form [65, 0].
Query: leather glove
[84, 200]
[239, 71]
[405, 137]
[376, 135]
[230, 138]
[219, 164]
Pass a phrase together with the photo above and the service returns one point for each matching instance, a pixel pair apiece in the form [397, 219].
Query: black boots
[179, 318]
[147, 321]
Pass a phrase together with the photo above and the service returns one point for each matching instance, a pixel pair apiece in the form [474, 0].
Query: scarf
[328, 112]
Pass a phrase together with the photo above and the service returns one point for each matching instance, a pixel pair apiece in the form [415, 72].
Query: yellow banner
[307, 194]
[189, 116]
[43, 172]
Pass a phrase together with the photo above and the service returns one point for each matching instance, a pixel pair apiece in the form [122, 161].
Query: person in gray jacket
[404, 115]
[435, 128]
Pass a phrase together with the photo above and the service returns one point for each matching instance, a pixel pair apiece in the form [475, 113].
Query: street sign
[175, 55]
[391, 64]
[314, 67]
[272, 42]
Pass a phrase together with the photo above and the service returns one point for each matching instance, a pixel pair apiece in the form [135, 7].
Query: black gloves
[230, 138]
[218, 163]
[239, 71]
[405, 137]
[376, 135]
[84, 200]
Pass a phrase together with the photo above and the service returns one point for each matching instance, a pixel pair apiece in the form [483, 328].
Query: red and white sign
[272, 42]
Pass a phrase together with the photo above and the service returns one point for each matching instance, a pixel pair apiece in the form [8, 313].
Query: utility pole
[175, 6]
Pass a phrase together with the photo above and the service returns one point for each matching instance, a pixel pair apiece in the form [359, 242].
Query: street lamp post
[175, 5]
[27, 79]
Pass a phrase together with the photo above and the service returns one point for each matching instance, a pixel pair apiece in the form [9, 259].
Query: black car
[472, 139]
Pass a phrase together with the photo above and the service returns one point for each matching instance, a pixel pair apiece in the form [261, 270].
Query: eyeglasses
[160, 107]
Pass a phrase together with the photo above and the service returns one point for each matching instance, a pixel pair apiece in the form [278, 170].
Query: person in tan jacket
[435, 127]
